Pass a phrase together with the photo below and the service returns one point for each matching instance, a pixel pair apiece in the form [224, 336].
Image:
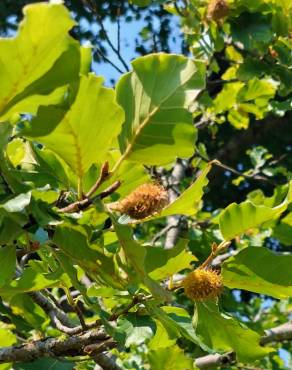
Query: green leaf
[74, 243]
[226, 99]
[26, 308]
[137, 328]
[7, 262]
[17, 204]
[83, 135]
[47, 363]
[155, 97]
[256, 89]
[238, 218]
[188, 203]
[252, 30]
[283, 231]
[223, 333]
[238, 118]
[7, 338]
[169, 358]
[161, 263]
[28, 56]
[136, 254]
[9, 230]
[31, 280]
[259, 270]
[176, 321]
[16, 151]
[161, 338]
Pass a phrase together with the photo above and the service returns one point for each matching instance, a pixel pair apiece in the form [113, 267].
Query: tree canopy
[146, 225]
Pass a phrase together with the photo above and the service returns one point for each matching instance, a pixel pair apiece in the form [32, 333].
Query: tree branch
[173, 222]
[58, 318]
[72, 346]
[81, 205]
[104, 174]
[106, 362]
[233, 170]
[278, 334]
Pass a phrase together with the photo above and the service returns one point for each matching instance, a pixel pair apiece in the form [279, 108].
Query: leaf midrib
[144, 123]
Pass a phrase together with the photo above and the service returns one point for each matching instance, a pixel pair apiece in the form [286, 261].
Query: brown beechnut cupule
[202, 284]
[144, 201]
[217, 10]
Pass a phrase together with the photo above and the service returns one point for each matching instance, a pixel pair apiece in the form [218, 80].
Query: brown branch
[106, 362]
[104, 174]
[58, 318]
[278, 334]
[233, 170]
[81, 205]
[109, 190]
[72, 346]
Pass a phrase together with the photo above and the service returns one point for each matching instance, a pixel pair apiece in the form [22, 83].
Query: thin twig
[114, 49]
[119, 29]
[220, 82]
[81, 205]
[163, 232]
[233, 170]
[104, 174]
[98, 51]
[215, 250]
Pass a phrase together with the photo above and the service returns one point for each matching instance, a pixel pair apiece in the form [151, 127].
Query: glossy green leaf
[83, 135]
[238, 218]
[223, 333]
[7, 263]
[136, 328]
[136, 254]
[161, 263]
[169, 358]
[259, 270]
[155, 97]
[27, 57]
[17, 204]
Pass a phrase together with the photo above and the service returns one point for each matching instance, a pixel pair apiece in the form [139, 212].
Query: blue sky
[129, 32]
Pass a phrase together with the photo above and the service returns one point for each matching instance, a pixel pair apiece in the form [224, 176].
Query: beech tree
[147, 225]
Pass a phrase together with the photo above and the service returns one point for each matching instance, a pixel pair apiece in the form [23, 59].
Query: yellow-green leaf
[82, 135]
[24, 59]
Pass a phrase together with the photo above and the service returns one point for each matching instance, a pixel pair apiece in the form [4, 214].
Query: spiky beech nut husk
[217, 10]
[144, 201]
[202, 284]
